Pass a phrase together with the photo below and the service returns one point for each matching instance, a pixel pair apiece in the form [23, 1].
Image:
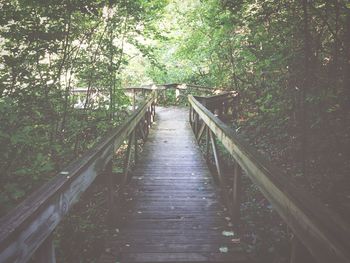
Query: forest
[288, 60]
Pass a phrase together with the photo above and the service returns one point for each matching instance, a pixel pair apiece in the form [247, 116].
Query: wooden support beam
[236, 194]
[127, 160]
[190, 116]
[147, 118]
[110, 184]
[216, 156]
[145, 124]
[201, 131]
[141, 129]
[24, 229]
[196, 124]
[136, 146]
[207, 143]
[322, 231]
[193, 120]
[150, 116]
[177, 94]
[153, 107]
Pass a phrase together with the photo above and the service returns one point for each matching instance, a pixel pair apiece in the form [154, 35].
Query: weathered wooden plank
[172, 204]
[184, 257]
[175, 247]
[24, 229]
[127, 160]
[200, 133]
[236, 194]
[324, 233]
[216, 156]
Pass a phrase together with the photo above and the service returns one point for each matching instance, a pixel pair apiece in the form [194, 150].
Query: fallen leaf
[236, 240]
[228, 233]
[223, 249]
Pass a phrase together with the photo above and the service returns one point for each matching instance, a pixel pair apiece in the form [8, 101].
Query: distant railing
[165, 91]
[321, 234]
[27, 229]
[221, 104]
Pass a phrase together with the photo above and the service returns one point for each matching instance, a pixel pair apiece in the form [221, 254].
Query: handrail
[27, 226]
[224, 95]
[168, 86]
[325, 235]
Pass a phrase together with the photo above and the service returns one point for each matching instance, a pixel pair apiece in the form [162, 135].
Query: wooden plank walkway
[172, 210]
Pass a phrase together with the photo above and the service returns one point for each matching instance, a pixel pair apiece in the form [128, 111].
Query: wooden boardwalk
[172, 210]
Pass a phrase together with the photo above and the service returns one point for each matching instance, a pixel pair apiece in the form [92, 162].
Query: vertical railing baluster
[207, 143]
[196, 124]
[128, 158]
[190, 116]
[136, 157]
[149, 117]
[109, 182]
[216, 156]
[236, 192]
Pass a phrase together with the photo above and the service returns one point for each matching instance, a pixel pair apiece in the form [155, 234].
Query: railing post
[109, 182]
[193, 119]
[150, 114]
[177, 94]
[136, 157]
[196, 124]
[236, 192]
[216, 157]
[141, 129]
[153, 108]
[207, 143]
[128, 158]
[46, 252]
[145, 124]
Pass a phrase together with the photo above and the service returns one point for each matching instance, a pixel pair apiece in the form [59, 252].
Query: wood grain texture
[27, 226]
[323, 232]
[172, 211]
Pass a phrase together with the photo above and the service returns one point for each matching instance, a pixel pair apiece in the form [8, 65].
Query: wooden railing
[221, 104]
[320, 234]
[28, 228]
[179, 91]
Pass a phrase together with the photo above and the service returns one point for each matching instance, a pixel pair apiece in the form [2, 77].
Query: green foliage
[49, 49]
[291, 69]
[292, 77]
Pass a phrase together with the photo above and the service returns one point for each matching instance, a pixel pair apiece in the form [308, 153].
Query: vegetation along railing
[319, 234]
[27, 230]
[180, 91]
[221, 104]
